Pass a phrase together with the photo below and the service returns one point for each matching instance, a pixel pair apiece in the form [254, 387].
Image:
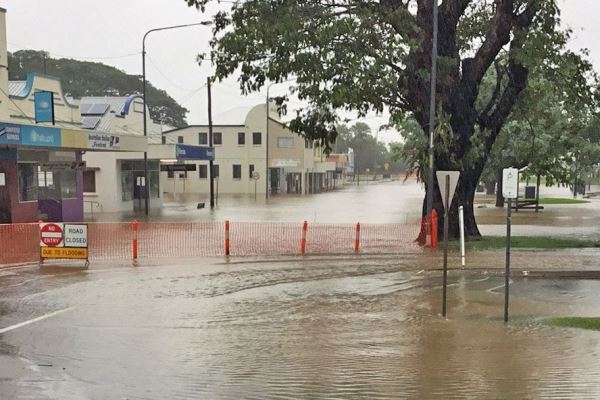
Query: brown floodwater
[323, 328]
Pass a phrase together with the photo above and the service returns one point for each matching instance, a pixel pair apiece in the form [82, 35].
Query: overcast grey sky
[110, 31]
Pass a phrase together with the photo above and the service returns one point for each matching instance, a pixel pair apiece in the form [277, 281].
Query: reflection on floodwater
[318, 328]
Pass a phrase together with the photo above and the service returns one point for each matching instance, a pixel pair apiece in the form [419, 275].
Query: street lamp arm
[203, 23]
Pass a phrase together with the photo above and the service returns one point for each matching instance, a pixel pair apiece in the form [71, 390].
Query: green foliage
[526, 242]
[368, 151]
[82, 79]
[591, 323]
[561, 200]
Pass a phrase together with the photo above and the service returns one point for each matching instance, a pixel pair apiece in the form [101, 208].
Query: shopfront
[41, 172]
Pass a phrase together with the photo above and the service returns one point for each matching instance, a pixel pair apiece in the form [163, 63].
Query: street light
[434, 56]
[146, 191]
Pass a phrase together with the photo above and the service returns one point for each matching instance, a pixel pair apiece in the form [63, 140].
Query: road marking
[31, 321]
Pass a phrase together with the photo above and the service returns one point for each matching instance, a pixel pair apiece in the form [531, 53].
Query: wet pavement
[323, 328]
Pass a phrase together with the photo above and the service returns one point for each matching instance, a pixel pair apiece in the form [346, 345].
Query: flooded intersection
[326, 328]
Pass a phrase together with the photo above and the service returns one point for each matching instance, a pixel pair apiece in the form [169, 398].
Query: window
[170, 174]
[256, 138]
[217, 138]
[180, 139]
[28, 185]
[163, 139]
[89, 181]
[308, 144]
[285, 143]
[237, 171]
[203, 138]
[241, 138]
[250, 170]
[202, 171]
[215, 171]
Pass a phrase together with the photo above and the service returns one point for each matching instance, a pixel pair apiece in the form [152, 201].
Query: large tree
[362, 55]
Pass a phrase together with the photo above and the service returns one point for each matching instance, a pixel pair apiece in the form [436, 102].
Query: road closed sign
[63, 241]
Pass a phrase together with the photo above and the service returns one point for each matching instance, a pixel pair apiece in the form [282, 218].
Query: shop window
[89, 181]
[256, 138]
[203, 138]
[237, 171]
[250, 170]
[217, 138]
[68, 183]
[202, 171]
[28, 181]
[285, 143]
[241, 138]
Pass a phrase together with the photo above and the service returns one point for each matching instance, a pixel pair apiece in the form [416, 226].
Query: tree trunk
[499, 197]
[490, 188]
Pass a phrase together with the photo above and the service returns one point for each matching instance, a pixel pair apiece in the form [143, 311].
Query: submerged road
[325, 328]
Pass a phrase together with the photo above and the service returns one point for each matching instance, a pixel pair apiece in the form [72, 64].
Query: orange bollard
[134, 226]
[226, 238]
[303, 240]
[357, 240]
[434, 229]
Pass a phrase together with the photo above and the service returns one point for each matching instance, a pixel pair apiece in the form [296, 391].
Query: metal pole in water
[461, 222]
[447, 194]
[507, 267]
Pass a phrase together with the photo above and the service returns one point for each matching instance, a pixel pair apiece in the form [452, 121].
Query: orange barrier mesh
[20, 242]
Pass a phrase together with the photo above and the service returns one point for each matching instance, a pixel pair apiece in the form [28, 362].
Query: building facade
[242, 154]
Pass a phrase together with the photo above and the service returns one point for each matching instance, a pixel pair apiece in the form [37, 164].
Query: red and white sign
[51, 235]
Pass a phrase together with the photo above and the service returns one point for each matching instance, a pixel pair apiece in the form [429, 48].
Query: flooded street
[322, 327]
[325, 328]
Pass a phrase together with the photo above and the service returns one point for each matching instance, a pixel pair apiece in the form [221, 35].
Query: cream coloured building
[240, 143]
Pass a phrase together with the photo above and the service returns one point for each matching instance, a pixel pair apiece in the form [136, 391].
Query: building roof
[98, 112]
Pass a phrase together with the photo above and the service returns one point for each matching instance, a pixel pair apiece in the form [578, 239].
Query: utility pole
[210, 144]
[434, 56]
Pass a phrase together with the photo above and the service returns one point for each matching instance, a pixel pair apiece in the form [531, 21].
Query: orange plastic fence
[20, 242]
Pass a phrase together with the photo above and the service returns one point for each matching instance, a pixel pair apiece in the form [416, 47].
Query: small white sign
[2, 179]
[441, 178]
[75, 235]
[510, 183]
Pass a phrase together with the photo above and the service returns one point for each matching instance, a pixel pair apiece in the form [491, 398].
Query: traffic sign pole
[507, 266]
[447, 197]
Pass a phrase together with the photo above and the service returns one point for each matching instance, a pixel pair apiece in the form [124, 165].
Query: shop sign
[40, 136]
[10, 134]
[44, 107]
[102, 141]
[186, 152]
[282, 163]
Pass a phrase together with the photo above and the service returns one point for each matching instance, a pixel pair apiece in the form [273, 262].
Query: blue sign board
[186, 152]
[44, 107]
[40, 136]
[10, 134]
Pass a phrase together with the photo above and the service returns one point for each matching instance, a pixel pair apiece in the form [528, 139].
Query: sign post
[447, 181]
[255, 177]
[510, 188]
[63, 241]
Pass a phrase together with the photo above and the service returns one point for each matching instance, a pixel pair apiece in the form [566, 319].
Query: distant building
[241, 148]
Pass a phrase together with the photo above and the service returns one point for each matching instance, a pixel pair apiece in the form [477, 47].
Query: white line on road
[31, 321]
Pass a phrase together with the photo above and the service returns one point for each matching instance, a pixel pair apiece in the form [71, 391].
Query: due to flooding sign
[58, 240]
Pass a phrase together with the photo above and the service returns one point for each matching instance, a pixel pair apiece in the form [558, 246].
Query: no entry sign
[51, 235]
